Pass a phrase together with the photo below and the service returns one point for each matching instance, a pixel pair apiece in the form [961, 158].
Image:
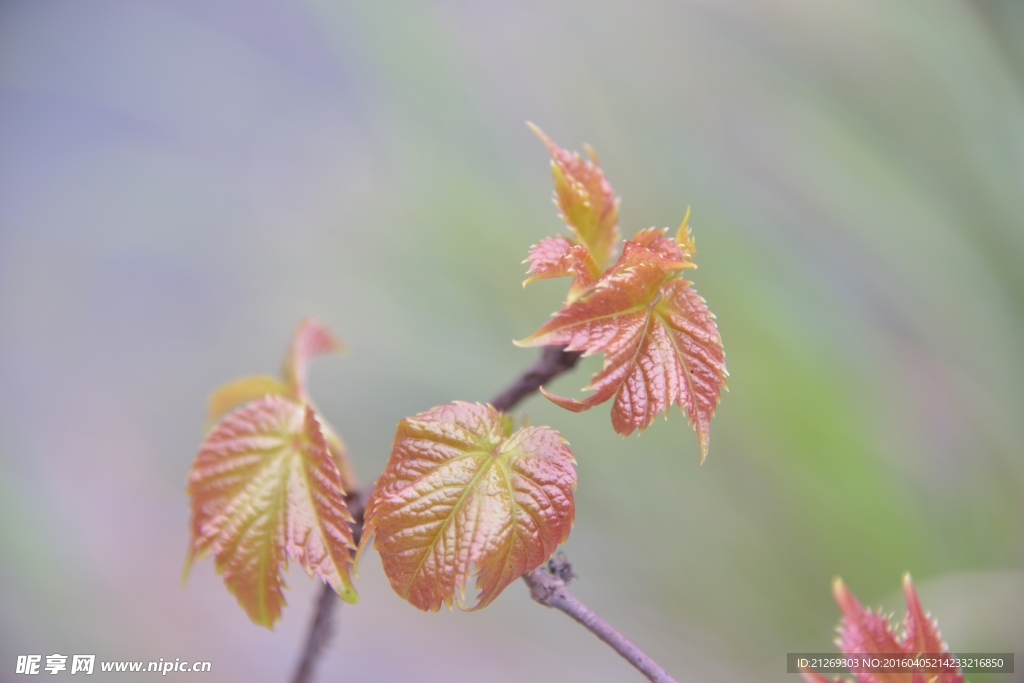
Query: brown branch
[320, 629]
[320, 632]
[553, 361]
[546, 589]
[550, 591]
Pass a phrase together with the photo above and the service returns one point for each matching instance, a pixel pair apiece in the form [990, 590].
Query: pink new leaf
[920, 629]
[585, 199]
[261, 490]
[660, 341]
[557, 257]
[673, 255]
[460, 498]
[864, 632]
[265, 490]
[545, 255]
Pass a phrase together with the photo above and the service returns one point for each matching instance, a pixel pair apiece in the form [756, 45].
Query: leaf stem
[546, 589]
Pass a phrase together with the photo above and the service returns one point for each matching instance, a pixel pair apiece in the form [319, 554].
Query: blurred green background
[182, 180]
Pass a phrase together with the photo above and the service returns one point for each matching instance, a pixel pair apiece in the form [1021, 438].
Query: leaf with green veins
[265, 490]
[660, 341]
[584, 197]
[673, 256]
[261, 490]
[544, 256]
[311, 339]
[556, 257]
[461, 499]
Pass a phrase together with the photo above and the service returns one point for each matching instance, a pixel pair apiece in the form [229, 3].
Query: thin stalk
[550, 591]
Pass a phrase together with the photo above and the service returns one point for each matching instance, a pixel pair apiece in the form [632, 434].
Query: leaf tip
[684, 236]
[525, 343]
[325, 340]
[267, 621]
[348, 594]
[844, 598]
[570, 404]
[701, 427]
[188, 567]
[539, 133]
[530, 280]
[910, 594]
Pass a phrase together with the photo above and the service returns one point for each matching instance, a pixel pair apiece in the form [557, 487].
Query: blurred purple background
[182, 181]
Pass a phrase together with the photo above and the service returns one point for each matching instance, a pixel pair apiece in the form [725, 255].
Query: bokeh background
[182, 180]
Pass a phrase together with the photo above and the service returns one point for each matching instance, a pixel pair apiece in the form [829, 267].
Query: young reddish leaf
[672, 254]
[544, 255]
[311, 339]
[865, 632]
[920, 629]
[862, 631]
[557, 257]
[265, 490]
[587, 202]
[460, 498]
[660, 341]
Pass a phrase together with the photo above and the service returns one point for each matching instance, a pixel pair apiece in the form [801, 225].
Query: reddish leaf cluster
[464, 497]
[862, 631]
[266, 486]
[660, 342]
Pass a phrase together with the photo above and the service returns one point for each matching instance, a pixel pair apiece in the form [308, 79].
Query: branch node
[560, 567]
[543, 586]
